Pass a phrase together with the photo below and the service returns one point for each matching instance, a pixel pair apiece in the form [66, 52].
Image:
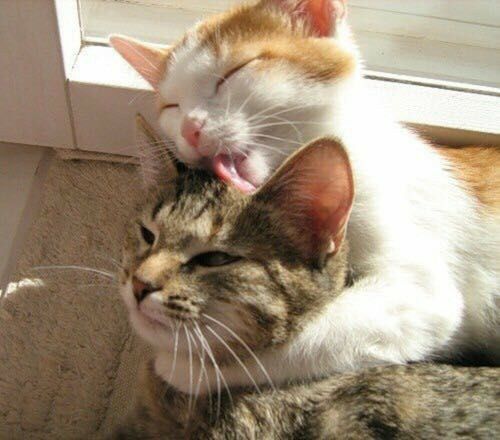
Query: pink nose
[191, 130]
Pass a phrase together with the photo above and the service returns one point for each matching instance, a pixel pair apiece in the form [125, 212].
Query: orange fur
[262, 31]
[479, 168]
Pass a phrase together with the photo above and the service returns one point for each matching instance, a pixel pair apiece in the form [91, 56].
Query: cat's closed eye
[212, 259]
[231, 73]
[147, 235]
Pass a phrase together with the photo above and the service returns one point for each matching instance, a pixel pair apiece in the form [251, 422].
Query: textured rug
[67, 357]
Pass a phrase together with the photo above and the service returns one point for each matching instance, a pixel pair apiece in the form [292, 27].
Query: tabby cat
[422, 401]
[221, 283]
[244, 89]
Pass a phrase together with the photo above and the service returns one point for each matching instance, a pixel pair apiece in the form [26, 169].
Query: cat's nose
[191, 130]
[141, 289]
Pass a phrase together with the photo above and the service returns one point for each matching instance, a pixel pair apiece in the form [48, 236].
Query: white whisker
[174, 361]
[289, 141]
[268, 147]
[236, 357]
[242, 342]
[274, 124]
[289, 109]
[245, 102]
[190, 370]
[299, 133]
[206, 345]
[203, 373]
[75, 267]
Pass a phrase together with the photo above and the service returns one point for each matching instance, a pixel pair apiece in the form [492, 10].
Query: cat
[217, 279]
[242, 90]
[421, 401]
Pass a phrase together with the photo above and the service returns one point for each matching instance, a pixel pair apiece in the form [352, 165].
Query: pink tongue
[227, 170]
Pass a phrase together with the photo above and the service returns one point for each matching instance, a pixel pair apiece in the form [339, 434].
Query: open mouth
[229, 168]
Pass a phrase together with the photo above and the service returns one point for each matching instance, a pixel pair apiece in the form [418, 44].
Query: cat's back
[422, 401]
[416, 402]
[478, 168]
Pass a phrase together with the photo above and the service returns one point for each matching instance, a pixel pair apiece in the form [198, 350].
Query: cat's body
[421, 401]
[218, 281]
[244, 89]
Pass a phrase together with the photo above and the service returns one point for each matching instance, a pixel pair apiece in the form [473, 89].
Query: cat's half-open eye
[147, 235]
[212, 259]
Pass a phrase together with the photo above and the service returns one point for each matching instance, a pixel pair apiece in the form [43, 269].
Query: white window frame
[98, 94]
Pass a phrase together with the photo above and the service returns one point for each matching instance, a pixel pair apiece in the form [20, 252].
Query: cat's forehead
[247, 32]
[195, 204]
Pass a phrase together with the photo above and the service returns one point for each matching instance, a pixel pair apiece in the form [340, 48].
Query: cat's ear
[156, 162]
[322, 16]
[147, 60]
[314, 192]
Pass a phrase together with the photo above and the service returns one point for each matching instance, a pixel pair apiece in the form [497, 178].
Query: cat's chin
[157, 333]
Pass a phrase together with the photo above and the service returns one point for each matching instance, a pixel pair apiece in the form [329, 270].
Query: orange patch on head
[262, 32]
[317, 59]
[479, 169]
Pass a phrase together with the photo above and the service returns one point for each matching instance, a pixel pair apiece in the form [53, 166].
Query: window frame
[104, 94]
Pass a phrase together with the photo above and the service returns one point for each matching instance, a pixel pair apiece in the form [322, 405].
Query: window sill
[106, 94]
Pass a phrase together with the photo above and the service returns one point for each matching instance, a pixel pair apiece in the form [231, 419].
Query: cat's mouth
[229, 168]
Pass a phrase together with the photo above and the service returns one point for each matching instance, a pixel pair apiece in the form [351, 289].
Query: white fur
[427, 261]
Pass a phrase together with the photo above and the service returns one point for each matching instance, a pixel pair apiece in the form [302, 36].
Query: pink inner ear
[146, 60]
[314, 190]
[330, 195]
[322, 15]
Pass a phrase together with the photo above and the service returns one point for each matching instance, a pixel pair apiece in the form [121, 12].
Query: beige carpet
[67, 357]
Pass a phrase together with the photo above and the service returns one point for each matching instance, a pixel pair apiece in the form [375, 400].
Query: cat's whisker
[216, 365]
[288, 141]
[80, 268]
[203, 371]
[139, 145]
[268, 147]
[274, 124]
[238, 149]
[176, 346]
[245, 345]
[86, 286]
[299, 133]
[109, 259]
[245, 102]
[190, 369]
[228, 106]
[236, 357]
[271, 107]
[288, 109]
[294, 107]
[219, 375]
[205, 344]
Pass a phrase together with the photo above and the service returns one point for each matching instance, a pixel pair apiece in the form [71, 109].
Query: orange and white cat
[242, 90]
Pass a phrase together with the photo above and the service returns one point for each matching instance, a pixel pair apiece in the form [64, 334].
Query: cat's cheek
[128, 295]
[187, 154]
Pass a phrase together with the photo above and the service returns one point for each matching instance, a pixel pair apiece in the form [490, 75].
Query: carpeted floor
[67, 357]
